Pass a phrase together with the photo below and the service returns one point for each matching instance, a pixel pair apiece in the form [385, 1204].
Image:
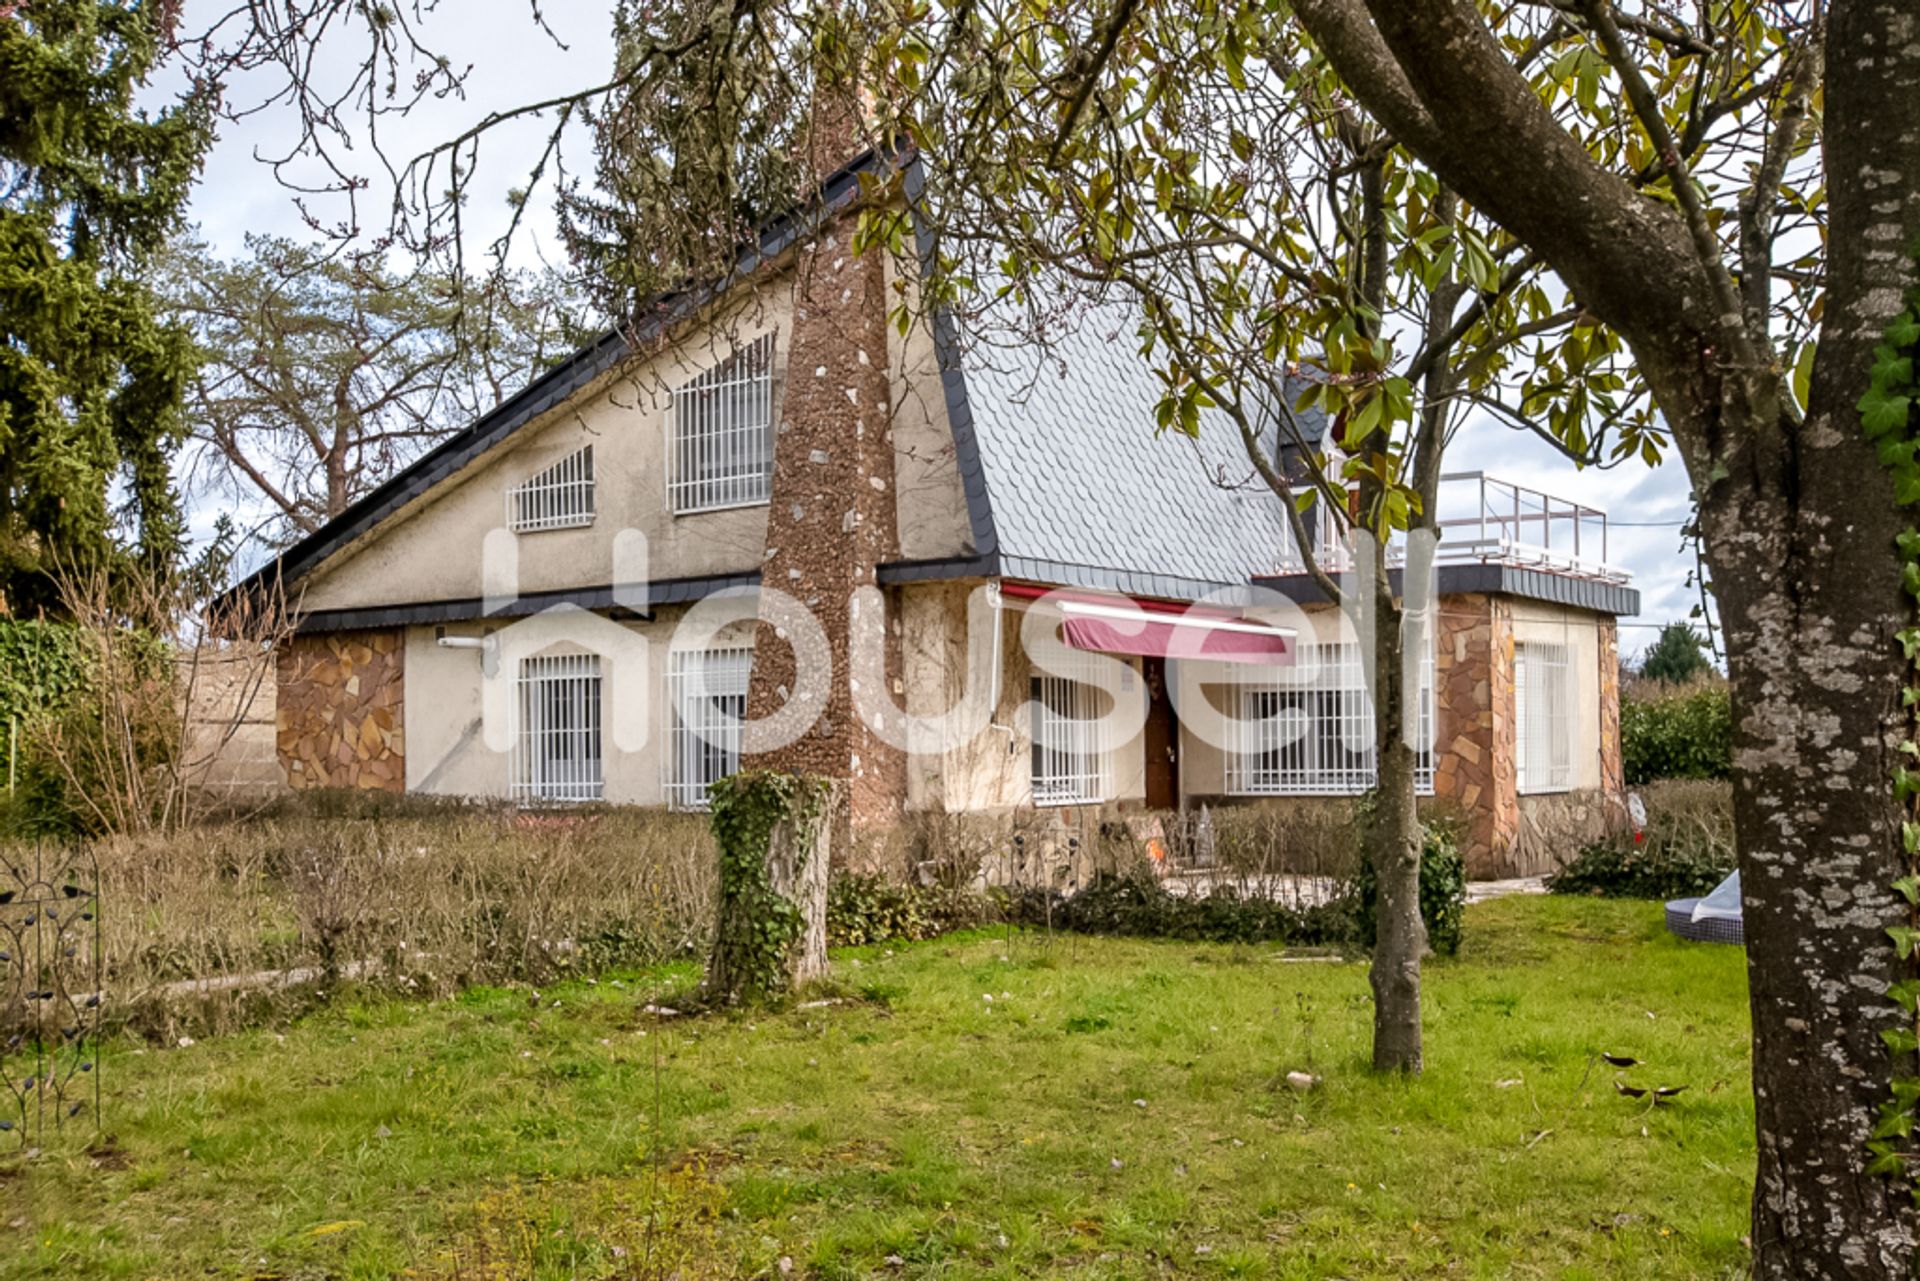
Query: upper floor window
[1316, 738]
[561, 497]
[1069, 749]
[720, 451]
[706, 704]
[1543, 717]
[556, 743]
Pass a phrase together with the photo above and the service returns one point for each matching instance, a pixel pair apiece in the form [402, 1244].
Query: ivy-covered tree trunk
[775, 836]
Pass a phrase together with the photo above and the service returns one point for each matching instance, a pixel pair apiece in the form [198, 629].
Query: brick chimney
[832, 515]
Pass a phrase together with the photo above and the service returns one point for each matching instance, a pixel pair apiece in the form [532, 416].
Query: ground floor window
[1314, 736]
[1543, 715]
[556, 746]
[706, 704]
[1069, 750]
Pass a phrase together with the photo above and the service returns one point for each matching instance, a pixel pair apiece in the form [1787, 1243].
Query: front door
[1160, 738]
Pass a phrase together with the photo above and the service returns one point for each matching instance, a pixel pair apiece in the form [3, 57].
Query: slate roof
[1082, 488]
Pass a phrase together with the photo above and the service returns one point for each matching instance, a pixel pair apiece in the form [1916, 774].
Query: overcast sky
[514, 63]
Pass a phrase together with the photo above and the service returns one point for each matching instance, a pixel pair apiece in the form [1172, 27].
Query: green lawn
[1117, 1109]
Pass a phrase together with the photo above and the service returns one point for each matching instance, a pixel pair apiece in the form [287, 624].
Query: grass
[1118, 1108]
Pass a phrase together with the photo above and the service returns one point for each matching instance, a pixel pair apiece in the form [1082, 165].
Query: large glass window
[1543, 713]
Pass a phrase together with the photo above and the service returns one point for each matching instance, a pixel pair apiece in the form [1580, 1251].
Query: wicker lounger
[1710, 929]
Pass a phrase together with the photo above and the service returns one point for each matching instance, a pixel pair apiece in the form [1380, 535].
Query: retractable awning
[1157, 629]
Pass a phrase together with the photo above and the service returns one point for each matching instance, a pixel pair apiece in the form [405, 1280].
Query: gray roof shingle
[1084, 491]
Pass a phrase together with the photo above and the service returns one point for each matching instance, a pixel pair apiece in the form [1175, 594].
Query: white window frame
[706, 705]
[720, 434]
[1068, 758]
[556, 756]
[1314, 736]
[1543, 717]
[560, 497]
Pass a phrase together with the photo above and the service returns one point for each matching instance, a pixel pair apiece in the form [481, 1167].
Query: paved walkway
[1481, 891]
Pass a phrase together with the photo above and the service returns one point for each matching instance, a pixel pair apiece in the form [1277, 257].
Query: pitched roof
[838, 193]
[1084, 490]
[1066, 479]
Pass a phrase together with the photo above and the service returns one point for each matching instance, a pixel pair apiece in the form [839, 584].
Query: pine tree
[91, 375]
[1676, 656]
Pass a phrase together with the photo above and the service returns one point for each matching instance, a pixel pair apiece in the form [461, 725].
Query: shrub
[1443, 891]
[1683, 732]
[1686, 847]
[1137, 903]
[432, 895]
[868, 908]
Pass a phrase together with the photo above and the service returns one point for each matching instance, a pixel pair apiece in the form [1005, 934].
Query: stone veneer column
[832, 517]
[1613, 779]
[339, 718]
[1475, 765]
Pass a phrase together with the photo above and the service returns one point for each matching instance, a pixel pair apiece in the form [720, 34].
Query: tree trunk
[797, 864]
[1810, 620]
[1393, 841]
[775, 833]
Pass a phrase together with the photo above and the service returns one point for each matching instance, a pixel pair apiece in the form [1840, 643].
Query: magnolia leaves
[1656, 1095]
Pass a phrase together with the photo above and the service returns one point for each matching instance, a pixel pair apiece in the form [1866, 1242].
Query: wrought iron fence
[51, 990]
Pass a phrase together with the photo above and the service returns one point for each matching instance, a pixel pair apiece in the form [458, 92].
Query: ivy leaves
[758, 926]
[1888, 404]
[1886, 417]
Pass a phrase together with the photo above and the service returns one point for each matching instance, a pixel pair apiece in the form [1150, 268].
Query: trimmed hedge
[1686, 733]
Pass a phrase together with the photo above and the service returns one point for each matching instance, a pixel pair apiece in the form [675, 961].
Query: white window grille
[1069, 748]
[561, 497]
[1543, 714]
[720, 451]
[1315, 738]
[707, 702]
[556, 744]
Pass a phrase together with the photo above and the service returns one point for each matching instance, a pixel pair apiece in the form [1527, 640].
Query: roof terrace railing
[1486, 520]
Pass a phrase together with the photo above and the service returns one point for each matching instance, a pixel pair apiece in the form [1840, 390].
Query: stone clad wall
[340, 715]
[1613, 777]
[1474, 761]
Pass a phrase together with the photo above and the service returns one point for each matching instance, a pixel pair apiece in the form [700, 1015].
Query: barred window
[707, 702]
[1069, 748]
[1316, 738]
[556, 743]
[1543, 714]
[561, 497]
[721, 448]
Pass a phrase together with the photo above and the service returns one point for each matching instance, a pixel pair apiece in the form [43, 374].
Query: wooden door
[1160, 739]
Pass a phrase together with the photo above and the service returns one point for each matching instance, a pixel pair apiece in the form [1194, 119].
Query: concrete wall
[231, 749]
[992, 770]
[448, 752]
[431, 551]
[1579, 631]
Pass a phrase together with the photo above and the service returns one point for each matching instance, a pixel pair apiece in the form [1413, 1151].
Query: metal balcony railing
[1486, 520]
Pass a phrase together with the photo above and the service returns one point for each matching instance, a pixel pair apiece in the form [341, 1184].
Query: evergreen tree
[1676, 657]
[91, 376]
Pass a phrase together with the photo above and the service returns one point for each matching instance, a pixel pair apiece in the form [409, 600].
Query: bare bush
[205, 926]
[173, 670]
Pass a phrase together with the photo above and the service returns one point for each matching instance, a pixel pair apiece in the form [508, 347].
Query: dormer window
[720, 447]
[561, 497]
